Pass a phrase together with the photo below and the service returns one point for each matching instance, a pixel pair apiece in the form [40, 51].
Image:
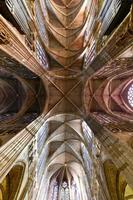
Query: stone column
[121, 154]
[10, 151]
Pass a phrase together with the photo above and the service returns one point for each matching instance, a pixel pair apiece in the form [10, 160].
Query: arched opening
[65, 192]
[10, 186]
[116, 183]
[22, 97]
[62, 143]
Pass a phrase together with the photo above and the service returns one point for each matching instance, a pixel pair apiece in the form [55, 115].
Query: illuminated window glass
[130, 95]
[55, 196]
[65, 191]
[75, 191]
[54, 191]
[87, 133]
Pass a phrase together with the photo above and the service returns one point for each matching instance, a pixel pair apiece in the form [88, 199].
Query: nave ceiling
[67, 90]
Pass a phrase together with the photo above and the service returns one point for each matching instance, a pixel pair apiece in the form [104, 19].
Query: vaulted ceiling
[66, 38]
[71, 96]
[66, 35]
[65, 45]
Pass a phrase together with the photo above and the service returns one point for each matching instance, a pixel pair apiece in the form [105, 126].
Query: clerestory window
[130, 95]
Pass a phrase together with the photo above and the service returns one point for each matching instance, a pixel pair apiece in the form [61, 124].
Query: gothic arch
[117, 185]
[67, 145]
[11, 184]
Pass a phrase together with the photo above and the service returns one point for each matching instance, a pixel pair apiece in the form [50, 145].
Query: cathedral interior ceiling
[63, 93]
[65, 25]
[64, 140]
[22, 96]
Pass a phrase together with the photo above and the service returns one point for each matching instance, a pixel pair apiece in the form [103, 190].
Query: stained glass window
[88, 134]
[55, 196]
[54, 191]
[75, 191]
[130, 95]
[65, 195]
[88, 161]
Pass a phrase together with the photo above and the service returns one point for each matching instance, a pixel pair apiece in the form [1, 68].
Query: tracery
[130, 95]
[65, 193]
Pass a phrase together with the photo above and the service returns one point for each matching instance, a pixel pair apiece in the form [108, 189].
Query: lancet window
[65, 194]
[130, 95]
[54, 190]
[75, 191]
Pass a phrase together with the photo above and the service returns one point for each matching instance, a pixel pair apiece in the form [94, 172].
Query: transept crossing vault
[66, 100]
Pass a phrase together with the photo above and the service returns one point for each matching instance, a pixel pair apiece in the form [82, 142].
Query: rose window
[130, 95]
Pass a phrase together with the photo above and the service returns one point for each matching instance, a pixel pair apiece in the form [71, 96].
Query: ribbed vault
[65, 48]
[65, 142]
[65, 25]
[66, 39]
